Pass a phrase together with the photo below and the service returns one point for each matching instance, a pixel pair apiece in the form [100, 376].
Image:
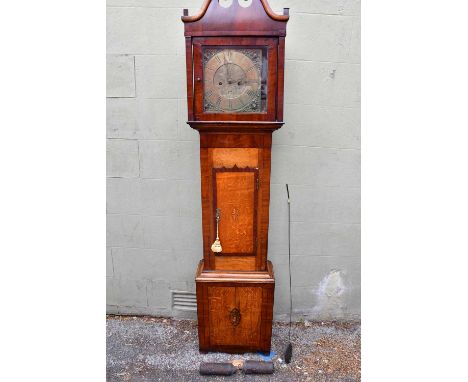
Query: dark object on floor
[288, 352]
[258, 367]
[228, 368]
[220, 368]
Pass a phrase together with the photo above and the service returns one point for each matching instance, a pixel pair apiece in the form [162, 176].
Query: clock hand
[246, 81]
[226, 72]
[226, 64]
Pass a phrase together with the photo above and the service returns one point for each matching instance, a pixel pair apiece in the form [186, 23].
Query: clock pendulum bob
[235, 78]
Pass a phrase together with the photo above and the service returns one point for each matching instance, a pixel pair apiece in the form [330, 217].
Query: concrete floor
[157, 349]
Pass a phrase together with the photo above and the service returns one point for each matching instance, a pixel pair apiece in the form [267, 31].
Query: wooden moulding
[234, 24]
[235, 140]
[247, 127]
[233, 276]
[274, 16]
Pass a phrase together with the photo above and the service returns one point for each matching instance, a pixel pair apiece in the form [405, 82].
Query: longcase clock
[235, 76]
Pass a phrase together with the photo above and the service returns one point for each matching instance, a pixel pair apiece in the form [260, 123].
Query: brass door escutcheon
[235, 316]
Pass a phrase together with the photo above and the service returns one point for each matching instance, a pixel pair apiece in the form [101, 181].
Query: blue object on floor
[267, 356]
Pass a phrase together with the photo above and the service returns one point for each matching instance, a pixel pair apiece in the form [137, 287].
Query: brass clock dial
[232, 80]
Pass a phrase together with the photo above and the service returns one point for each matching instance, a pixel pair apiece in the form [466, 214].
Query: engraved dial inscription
[232, 80]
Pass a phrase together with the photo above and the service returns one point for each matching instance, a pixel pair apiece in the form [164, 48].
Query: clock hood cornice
[256, 20]
[235, 126]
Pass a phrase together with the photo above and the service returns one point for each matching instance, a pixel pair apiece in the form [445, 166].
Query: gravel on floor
[163, 349]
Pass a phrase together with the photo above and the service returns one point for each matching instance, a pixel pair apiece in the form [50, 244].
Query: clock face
[233, 80]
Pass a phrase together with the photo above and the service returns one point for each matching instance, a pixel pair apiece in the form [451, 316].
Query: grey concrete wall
[153, 186]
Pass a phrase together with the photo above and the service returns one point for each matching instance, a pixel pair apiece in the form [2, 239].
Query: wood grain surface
[235, 198]
[242, 157]
[216, 300]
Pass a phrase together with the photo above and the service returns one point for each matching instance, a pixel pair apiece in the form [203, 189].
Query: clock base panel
[235, 310]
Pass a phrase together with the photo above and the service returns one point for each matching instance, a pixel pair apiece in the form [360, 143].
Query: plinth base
[235, 310]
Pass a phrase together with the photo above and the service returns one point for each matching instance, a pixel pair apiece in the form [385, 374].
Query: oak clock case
[235, 75]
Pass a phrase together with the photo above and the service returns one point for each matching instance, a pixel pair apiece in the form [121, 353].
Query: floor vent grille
[183, 300]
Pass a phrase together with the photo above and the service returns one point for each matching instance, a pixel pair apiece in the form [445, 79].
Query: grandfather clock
[235, 75]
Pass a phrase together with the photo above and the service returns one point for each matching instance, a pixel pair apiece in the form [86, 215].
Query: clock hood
[235, 18]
